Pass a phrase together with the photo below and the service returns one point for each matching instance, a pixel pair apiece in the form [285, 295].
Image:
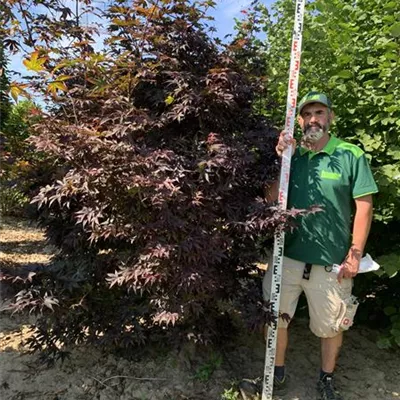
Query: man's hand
[284, 142]
[351, 264]
[361, 226]
[271, 189]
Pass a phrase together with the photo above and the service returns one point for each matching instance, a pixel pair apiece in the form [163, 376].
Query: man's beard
[313, 133]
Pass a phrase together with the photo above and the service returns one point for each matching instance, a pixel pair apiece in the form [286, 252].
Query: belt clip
[307, 271]
[328, 268]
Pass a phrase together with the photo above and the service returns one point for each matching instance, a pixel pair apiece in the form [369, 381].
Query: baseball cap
[314, 97]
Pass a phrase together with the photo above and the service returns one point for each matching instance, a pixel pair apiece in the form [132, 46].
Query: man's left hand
[350, 267]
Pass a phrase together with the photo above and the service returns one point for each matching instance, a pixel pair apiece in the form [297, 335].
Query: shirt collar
[329, 148]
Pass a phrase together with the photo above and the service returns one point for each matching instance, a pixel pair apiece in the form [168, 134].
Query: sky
[227, 10]
[224, 14]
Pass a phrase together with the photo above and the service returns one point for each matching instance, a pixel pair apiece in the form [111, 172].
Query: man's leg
[252, 389]
[291, 290]
[326, 296]
[330, 348]
[281, 346]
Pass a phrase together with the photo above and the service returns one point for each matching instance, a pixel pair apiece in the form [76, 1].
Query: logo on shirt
[330, 175]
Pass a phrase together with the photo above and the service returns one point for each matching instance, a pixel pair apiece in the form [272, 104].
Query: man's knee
[282, 327]
[324, 331]
[282, 330]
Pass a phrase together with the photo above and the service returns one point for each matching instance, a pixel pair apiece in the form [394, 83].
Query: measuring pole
[279, 241]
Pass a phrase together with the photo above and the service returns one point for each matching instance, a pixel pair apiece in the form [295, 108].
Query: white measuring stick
[282, 200]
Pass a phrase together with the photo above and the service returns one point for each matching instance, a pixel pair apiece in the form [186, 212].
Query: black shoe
[251, 389]
[280, 386]
[326, 389]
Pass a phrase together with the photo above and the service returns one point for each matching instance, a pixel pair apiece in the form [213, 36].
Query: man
[335, 176]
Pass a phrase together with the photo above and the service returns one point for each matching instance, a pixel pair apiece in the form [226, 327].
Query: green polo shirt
[331, 179]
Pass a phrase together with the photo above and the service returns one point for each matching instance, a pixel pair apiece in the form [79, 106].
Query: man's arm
[361, 227]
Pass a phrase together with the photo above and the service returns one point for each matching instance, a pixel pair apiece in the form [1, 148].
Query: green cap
[314, 97]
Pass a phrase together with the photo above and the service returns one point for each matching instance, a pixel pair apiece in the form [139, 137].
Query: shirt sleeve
[363, 182]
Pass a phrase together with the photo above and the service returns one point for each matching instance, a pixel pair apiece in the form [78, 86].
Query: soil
[364, 372]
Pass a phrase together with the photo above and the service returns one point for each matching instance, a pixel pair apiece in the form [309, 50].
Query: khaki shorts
[325, 295]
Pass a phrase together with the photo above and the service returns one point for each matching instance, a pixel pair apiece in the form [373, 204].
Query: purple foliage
[159, 213]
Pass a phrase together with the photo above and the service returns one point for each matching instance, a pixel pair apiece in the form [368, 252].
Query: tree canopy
[157, 203]
[351, 52]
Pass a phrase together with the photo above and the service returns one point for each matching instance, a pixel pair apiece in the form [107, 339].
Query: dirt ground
[364, 371]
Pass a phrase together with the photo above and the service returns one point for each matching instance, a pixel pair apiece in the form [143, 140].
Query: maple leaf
[18, 89]
[52, 87]
[49, 301]
[35, 63]
[169, 100]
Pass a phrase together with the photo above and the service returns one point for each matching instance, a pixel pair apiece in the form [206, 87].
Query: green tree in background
[21, 116]
[351, 52]
[22, 170]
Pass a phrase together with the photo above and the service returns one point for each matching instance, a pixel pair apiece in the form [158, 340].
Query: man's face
[314, 121]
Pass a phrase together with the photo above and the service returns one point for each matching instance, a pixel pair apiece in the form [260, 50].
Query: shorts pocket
[347, 312]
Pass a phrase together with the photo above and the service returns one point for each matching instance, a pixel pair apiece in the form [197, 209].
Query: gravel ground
[364, 372]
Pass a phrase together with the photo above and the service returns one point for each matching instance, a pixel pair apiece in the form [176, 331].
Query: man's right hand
[284, 142]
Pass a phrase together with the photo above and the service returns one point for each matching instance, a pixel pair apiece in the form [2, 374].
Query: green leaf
[345, 74]
[390, 5]
[395, 154]
[390, 262]
[389, 18]
[387, 121]
[394, 30]
[395, 332]
[342, 88]
[395, 320]
[384, 343]
[390, 310]
[376, 19]
[344, 59]
[344, 25]
[392, 56]
[374, 83]
[169, 100]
